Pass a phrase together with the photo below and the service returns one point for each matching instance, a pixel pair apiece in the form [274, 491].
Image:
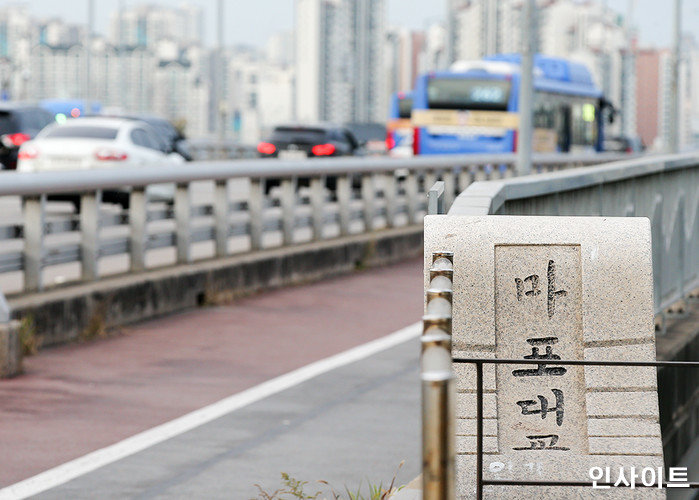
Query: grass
[97, 324]
[28, 337]
[294, 489]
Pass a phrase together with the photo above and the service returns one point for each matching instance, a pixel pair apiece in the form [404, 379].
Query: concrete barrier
[10, 349]
[81, 311]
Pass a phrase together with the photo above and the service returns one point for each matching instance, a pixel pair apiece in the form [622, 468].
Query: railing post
[438, 411]
[481, 173]
[411, 196]
[183, 212]
[221, 217]
[344, 198]
[317, 213]
[89, 234]
[435, 199]
[464, 177]
[138, 224]
[5, 312]
[34, 220]
[509, 172]
[255, 211]
[430, 179]
[288, 202]
[449, 188]
[368, 201]
[390, 197]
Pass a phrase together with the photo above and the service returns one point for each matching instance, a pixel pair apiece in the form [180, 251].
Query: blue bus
[399, 129]
[472, 107]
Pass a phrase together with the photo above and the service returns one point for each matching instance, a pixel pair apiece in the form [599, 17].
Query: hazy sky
[253, 21]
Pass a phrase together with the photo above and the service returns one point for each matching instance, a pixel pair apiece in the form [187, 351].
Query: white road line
[92, 461]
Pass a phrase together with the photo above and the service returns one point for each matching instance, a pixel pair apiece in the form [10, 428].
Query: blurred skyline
[254, 23]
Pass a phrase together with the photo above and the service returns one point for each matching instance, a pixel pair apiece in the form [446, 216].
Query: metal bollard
[438, 384]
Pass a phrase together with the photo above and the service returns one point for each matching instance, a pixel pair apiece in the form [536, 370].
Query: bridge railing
[311, 201]
[663, 188]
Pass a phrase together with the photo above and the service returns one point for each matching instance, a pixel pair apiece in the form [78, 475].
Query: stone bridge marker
[553, 288]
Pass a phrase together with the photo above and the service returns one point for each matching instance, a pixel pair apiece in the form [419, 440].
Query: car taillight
[266, 148]
[416, 140]
[110, 155]
[14, 140]
[27, 153]
[323, 149]
[390, 140]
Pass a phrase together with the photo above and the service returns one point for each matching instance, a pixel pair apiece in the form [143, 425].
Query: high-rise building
[339, 60]
[434, 55]
[16, 42]
[654, 94]
[652, 67]
[474, 28]
[145, 25]
[260, 96]
[403, 54]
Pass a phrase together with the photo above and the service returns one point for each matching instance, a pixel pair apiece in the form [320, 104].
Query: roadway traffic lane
[76, 399]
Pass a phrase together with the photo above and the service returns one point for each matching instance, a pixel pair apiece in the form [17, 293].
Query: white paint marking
[92, 461]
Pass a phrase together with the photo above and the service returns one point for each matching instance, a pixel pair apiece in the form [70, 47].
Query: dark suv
[295, 142]
[19, 123]
[298, 142]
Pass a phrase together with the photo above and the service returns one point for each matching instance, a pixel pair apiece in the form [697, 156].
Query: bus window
[545, 137]
[563, 128]
[471, 94]
[584, 124]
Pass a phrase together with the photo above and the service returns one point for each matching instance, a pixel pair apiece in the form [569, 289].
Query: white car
[96, 142]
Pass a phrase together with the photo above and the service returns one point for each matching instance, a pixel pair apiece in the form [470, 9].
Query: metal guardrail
[663, 188]
[370, 194]
[213, 149]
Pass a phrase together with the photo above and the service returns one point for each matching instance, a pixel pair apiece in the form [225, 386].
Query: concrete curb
[85, 310]
[10, 349]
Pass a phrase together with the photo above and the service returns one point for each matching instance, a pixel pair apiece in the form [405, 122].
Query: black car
[296, 142]
[299, 142]
[19, 123]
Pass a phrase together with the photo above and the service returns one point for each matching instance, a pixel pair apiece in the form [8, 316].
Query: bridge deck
[76, 399]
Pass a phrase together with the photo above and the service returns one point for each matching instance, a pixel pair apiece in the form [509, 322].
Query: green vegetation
[28, 337]
[294, 489]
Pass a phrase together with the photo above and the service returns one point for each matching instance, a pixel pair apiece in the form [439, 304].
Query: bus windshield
[468, 94]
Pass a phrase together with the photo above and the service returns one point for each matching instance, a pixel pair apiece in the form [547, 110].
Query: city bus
[473, 107]
[399, 130]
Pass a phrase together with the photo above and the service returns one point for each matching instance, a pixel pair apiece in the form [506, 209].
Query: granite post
[553, 288]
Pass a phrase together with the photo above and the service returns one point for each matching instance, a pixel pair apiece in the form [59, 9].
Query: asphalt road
[310, 380]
